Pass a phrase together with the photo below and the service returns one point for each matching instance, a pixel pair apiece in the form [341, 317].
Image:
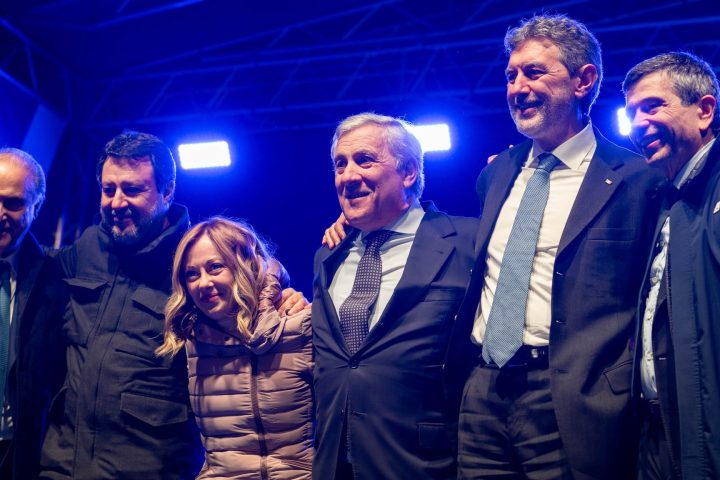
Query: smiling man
[31, 305]
[672, 102]
[383, 306]
[543, 334]
[124, 413]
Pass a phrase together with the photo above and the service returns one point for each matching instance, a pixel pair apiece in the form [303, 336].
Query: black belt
[528, 357]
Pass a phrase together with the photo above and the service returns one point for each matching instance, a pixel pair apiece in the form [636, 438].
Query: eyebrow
[533, 65]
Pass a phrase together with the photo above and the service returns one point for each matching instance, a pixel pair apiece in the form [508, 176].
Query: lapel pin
[717, 208]
[608, 181]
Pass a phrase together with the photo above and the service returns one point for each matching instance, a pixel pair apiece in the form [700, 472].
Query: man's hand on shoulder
[291, 302]
[493, 157]
[335, 233]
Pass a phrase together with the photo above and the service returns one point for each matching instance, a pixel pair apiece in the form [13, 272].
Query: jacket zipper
[256, 414]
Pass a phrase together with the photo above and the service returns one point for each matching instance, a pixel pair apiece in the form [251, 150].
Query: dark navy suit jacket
[391, 389]
[598, 272]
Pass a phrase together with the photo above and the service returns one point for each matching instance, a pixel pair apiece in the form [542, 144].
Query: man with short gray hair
[31, 304]
[383, 307]
[672, 102]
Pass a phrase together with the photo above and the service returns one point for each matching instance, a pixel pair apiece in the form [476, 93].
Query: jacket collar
[179, 223]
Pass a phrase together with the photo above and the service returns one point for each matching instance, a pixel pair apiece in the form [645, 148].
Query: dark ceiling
[279, 65]
[276, 76]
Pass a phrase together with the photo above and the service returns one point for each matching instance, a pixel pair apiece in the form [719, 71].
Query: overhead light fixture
[433, 138]
[204, 155]
[624, 124]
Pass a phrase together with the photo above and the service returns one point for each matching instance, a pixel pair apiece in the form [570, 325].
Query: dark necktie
[505, 324]
[4, 325]
[355, 310]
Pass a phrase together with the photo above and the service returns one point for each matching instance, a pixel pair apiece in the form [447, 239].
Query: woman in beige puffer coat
[250, 368]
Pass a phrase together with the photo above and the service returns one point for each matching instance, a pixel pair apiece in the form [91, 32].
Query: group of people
[568, 332]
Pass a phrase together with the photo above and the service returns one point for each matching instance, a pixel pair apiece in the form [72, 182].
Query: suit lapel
[429, 252]
[29, 265]
[508, 167]
[329, 262]
[600, 182]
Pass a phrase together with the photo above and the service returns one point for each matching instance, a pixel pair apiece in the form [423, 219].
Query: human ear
[587, 76]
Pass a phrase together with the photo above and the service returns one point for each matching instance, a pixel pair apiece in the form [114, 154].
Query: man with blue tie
[383, 307]
[543, 334]
[31, 306]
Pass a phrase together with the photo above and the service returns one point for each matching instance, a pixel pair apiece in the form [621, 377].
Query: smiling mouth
[355, 195]
[525, 106]
[210, 298]
[650, 142]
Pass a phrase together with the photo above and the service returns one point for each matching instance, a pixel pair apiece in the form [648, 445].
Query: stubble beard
[143, 229]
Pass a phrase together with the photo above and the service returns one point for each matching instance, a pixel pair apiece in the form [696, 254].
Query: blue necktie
[355, 310]
[505, 324]
[4, 326]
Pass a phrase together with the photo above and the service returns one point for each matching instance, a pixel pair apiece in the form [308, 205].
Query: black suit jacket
[390, 390]
[37, 360]
[598, 272]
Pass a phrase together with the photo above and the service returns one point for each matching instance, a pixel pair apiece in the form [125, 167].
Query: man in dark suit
[548, 317]
[383, 308]
[31, 305]
[672, 101]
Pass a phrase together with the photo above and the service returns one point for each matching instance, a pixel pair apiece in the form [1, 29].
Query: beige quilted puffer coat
[253, 399]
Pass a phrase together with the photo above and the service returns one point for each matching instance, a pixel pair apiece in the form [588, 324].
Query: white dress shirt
[393, 255]
[565, 180]
[657, 269]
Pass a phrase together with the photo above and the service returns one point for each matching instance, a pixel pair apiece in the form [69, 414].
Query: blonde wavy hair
[242, 252]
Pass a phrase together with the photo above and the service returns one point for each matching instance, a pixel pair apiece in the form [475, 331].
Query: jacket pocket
[156, 412]
[151, 301]
[619, 377]
[143, 323]
[433, 436]
[85, 299]
[618, 234]
[443, 294]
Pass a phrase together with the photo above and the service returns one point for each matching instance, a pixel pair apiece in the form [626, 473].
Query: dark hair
[577, 45]
[138, 146]
[691, 78]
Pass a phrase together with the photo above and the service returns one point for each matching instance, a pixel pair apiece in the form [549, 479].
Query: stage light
[624, 124]
[433, 138]
[204, 155]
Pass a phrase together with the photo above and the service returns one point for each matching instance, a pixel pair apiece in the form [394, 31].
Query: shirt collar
[407, 223]
[573, 151]
[12, 260]
[693, 167]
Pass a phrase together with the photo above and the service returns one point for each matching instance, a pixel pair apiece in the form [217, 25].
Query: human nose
[205, 280]
[518, 85]
[638, 118]
[119, 201]
[350, 174]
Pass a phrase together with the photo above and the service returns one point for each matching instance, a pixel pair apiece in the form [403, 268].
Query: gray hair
[38, 176]
[691, 78]
[577, 45]
[401, 144]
